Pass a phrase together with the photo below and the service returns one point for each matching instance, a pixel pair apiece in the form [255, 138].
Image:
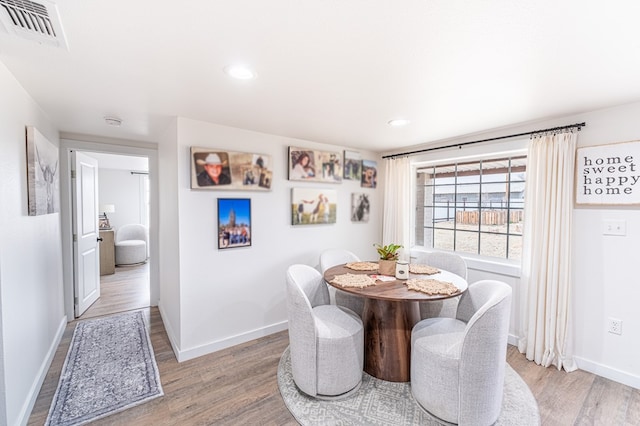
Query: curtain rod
[459, 145]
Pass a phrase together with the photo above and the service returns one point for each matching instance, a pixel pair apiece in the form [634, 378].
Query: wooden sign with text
[608, 174]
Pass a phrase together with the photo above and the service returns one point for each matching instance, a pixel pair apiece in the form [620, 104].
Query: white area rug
[110, 367]
[379, 402]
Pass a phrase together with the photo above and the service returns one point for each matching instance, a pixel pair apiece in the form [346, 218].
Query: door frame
[74, 142]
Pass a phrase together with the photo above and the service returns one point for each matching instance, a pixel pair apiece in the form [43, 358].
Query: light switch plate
[614, 227]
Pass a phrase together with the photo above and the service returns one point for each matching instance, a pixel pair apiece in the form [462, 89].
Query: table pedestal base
[387, 338]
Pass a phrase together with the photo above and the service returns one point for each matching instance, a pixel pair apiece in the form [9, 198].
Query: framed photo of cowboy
[219, 170]
[234, 222]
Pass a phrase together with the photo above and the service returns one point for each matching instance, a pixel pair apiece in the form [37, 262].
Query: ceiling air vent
[35, 21]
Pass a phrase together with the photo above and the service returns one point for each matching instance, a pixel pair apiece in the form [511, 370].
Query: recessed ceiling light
[113, 121]
[240, 72]
[398, 122]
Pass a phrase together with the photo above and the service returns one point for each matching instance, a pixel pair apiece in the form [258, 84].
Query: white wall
[606, 282]
[125, 191]
[31, 292]
[233, 295]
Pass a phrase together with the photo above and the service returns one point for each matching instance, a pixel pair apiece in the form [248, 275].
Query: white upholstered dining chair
[451, 262]
[333, 257]
[458, 364]
[326, 341]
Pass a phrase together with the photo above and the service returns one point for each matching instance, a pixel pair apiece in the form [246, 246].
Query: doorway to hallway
[125, 290]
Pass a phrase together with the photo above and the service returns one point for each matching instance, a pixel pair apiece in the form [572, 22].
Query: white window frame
[513, 148]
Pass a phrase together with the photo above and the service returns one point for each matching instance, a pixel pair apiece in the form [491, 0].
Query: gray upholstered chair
[333, 257]
[131, 244]
[326, 341]
[451, 262]
[458, 364]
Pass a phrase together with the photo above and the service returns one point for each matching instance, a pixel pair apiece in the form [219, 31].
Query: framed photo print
[360, 207]
[369, 174]
[218, 169]
[352, 165]
[311, 206]
[43, 175]
[234, 222]
[315, 166]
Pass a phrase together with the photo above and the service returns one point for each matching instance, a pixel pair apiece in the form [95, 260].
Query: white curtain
[546, 335]
[397, 203]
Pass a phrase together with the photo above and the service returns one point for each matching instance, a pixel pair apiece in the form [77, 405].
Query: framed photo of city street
[234, 222]
[315, 166]
[220, 169]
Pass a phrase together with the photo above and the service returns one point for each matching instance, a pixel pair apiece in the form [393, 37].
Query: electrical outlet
[614, 227]
[615, 326]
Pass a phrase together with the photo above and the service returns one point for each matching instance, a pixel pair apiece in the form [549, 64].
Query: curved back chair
[333, 257]
[458, 364]
[326, 341]
[131, 244]
[451, 262]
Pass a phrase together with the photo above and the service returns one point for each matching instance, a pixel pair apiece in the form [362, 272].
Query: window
[472, 207]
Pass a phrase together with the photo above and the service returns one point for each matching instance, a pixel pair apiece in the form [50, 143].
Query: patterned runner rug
[379, 402]
[110, 367]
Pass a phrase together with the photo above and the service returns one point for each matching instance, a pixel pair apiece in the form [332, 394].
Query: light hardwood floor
[238, 386]
[125, 290]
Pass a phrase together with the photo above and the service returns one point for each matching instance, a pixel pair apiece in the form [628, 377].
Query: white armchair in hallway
[131, 244]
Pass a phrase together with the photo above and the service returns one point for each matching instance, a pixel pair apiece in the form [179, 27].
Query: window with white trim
[472, 206]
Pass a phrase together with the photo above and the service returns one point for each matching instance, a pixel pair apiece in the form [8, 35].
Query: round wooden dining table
[390, 312]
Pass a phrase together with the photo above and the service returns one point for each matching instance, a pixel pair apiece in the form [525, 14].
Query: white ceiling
[331, 71]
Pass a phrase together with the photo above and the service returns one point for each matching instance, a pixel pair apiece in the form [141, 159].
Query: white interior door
[86, 254]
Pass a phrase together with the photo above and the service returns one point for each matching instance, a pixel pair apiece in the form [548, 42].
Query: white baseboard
[188, 354]
[608, 372]
[512, 340]
[170, 334]
[42, 374]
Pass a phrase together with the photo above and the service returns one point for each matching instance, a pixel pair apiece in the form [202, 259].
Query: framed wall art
[219, 169]
[43, 177]
[311, 206]
[234, 222]
[360, 207]
[369, 174]
[315, 166]
[608, 174]
[352, 165]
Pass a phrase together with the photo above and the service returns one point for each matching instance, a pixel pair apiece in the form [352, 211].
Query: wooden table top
[396, 290]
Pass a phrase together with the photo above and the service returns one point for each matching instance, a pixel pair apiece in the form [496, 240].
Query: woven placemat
[362, 266]
[353, 280]
[432, 287]
[415, 268]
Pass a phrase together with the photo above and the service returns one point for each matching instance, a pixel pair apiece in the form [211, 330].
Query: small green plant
[388, 252]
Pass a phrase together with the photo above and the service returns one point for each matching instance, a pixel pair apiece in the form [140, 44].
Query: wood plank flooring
[238, 386]
[125, 290]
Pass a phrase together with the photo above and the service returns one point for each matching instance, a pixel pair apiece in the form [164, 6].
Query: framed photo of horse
[43, 174]
[311, 206]
[360, 207]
